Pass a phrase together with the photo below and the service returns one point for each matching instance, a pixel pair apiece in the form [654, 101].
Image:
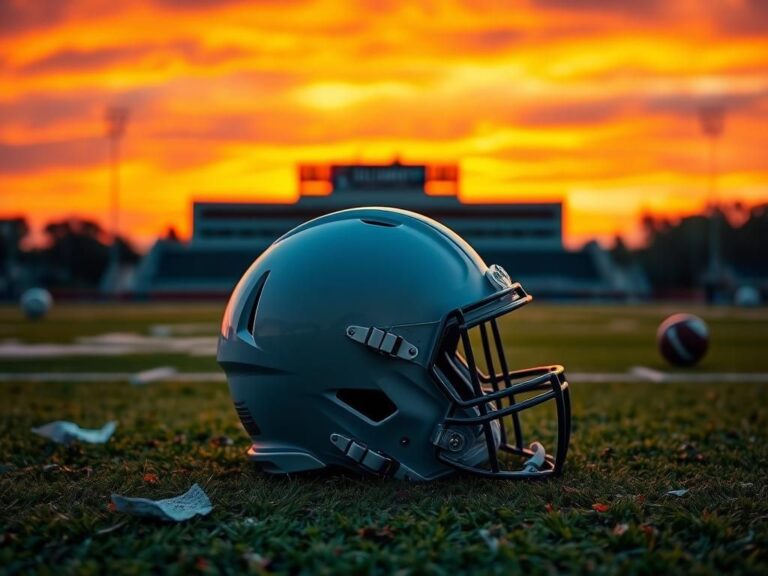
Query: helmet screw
[351, 331]
[404, 441]
[412, 351]
[455, 442]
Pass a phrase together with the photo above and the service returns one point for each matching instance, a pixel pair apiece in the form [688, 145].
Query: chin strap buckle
[383, 341]
[369, 460]
[535, 462]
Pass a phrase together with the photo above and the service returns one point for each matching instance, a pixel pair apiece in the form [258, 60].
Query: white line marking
[648, 373]
[573, 377]
[153, 375]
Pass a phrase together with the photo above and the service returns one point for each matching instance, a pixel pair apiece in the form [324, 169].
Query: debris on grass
[620, 529]
[63, 432]
[192, 503]
[491, 541]
[150, 478]
[600, 507]
[112, 528]
[606, 453]
[678, 493]
[256, 561]
[380, 535]
[222, 440]
[689, 453]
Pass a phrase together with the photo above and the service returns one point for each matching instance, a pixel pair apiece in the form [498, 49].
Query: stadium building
[525, 238]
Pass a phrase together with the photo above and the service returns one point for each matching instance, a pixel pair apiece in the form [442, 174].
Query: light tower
[712, 118]
[116, 119]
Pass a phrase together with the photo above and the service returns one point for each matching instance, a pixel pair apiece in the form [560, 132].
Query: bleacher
[524, 238]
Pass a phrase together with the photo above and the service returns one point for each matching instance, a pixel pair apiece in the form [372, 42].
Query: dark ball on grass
[683, 339]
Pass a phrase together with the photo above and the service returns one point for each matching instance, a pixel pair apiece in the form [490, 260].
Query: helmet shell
[284, 343]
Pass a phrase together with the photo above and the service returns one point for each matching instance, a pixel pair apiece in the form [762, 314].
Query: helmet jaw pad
[484, 402]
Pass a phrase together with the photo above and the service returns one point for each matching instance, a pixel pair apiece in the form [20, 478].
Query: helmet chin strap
[477, 453]
[535, 462]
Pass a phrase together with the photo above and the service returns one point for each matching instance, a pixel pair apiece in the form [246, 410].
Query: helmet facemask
[482, 431]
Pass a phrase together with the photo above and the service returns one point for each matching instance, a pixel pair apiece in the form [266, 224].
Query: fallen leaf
[548, 507]
[599, 507]
[384, 534]
[256, 561]
[151, 478]
[606, 453]
[222, 441]
[111, 507]
[620, 529]
[689, 452]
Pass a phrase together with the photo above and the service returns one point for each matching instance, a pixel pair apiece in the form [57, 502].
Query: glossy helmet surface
[368, 339]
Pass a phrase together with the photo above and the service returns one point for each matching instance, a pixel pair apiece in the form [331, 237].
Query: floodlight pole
[712, 120]
[116, 119]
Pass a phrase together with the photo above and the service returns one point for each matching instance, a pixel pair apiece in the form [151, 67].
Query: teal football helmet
[369, 339]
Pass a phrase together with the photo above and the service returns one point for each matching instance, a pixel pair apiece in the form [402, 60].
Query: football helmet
[369, 339]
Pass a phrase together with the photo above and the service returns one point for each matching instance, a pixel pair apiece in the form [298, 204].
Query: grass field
[609, 513]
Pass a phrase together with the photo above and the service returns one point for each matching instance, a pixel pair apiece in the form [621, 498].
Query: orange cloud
[592, 102]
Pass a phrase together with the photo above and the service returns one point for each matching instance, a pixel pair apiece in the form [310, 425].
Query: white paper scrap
[65, 432]
[681, 492]
[195, 501]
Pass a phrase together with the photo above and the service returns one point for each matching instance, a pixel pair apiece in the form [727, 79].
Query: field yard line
[630, 377]
[648, 373]
[153, 375]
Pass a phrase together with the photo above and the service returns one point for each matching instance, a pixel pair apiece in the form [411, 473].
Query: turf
[583, 338]
[609, 513]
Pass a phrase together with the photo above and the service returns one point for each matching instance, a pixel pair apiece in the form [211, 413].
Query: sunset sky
[590, 101]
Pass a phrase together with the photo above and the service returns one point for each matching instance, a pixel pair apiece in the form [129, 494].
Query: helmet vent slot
[245, 417]
[373, 404]
[380, 222]
[255, 304]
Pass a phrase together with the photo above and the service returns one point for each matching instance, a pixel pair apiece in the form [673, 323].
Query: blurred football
[747, 297]
[36, 302]
[683, 339]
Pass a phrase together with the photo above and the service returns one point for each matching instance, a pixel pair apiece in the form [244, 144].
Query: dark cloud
[571, 114]
[87, 60]
[213, 4]
[689, 104]
[77, 153]
[21, 15]
[750, 19]
[38, 111]
[481, 41]
[640, 8]
[74, 60]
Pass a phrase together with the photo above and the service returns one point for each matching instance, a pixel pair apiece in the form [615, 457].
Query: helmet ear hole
[374, 404]
[251, 326]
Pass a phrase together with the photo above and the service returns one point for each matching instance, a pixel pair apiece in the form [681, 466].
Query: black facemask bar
[481, 403]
